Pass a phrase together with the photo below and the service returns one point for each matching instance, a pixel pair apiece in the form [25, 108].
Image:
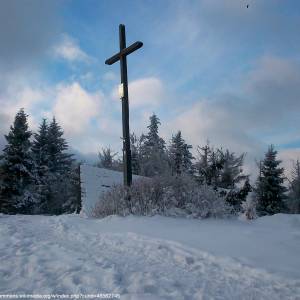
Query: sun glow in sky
[215, 69]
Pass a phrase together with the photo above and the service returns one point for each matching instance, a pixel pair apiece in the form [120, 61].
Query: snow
[151, 257]
[94, 182]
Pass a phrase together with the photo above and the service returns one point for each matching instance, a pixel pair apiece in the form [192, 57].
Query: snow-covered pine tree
[215, 162]
[236, 196]
[61, 167]
[17, 194]
[294, 189]
[188, 159]
[106, 158]
[175, 153]
[202, 166]
[60, 161]
[231, 172]
[153, 151]
[270, 191]
[40, 146]
[135, 154]
[180, 157]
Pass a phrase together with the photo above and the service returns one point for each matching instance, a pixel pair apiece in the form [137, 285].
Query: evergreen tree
[294, 189]
[236, 197]
[62, 185]
[231, 172]
[202, 166]
[218, 168]
[270, 192]
[135, 154]
[40, 147]
[180, 156]
[106, 158]
[17, 168]
[59, 160]
[40, 151]
[188, 159]
[153, 150]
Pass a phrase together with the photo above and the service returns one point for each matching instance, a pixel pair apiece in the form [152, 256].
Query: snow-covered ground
[151, 257]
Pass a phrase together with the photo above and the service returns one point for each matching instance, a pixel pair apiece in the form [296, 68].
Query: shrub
[170, 196]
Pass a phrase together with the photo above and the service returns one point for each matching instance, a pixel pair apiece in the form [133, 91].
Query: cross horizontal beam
[124, 52]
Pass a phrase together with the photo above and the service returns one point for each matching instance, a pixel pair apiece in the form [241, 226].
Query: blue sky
[215, 69]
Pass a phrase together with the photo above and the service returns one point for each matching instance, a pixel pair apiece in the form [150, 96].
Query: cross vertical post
[122, 57]
[125, 110]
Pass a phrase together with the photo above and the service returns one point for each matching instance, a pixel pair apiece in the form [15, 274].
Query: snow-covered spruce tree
[61, 181]
[59, 160]
[40, 148]
[41, 158]
[17, 166]
[270, 191]
[153, 151]
[106, 158]
[188, 158]
[231, 171]
[135, 144]
[223, 171]
[236, 196]
[180, 157]
[294, 189]
[231, 178]
[202, 167]
[209, 164]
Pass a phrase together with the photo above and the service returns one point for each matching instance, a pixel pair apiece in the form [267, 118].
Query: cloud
[274, 86]
[144, 92]
[211, 39]
[27, 29]
[75, 107]
[21, 92]
[263, 109]
[69, 50]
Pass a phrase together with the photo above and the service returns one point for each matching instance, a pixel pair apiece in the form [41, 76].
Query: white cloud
[75, 107]
[69, 50]
[144, 92]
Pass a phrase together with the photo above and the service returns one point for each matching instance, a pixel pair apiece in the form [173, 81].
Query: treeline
[37, 174]
[217, 168]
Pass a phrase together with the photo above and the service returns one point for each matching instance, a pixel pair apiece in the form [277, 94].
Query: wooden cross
[121, 56]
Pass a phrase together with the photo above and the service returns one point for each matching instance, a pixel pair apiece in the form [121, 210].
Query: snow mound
[69, 254]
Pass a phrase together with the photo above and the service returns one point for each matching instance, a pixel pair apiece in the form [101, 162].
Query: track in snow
[53, 255]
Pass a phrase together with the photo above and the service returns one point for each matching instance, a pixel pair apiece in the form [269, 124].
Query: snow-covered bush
[249, 207]
[143, 198]
[205, 202]
[170, 196]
